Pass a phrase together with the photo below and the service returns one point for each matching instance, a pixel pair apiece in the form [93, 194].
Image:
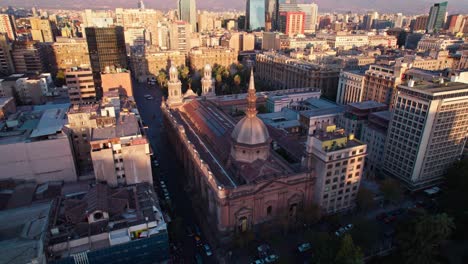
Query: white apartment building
[427, 131]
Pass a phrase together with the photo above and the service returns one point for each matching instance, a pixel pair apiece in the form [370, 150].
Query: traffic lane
[169, 168]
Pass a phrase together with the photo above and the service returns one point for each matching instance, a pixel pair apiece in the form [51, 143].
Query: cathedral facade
[236, 177]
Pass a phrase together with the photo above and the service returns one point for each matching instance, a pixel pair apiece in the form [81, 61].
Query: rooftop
[126, 125]
[102, 209]
[436, 88]
[23, 233]
[47, 120]
[367, 105]
[209, 130]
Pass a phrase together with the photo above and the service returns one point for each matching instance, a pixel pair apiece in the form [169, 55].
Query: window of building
[269, 210]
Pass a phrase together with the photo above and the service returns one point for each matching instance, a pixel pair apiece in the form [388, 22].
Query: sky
[404, 6]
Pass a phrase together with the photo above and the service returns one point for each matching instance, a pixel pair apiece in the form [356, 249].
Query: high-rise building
[338, 161]
[399, 20]
[106, 47]
[187, 12]
[28, 57]
[292, 23]
[437, 17]
[427, 131]
[80, 84]
[41, 30]
[455, 23]
[180, 36]
[350, 87]
[420, 23]
[8, 26]
[255, 15]
[271, 15]
[6, 62]
[311, 16]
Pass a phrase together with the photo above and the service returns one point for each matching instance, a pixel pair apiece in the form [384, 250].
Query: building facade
[292, 23]
[427, 132]
[81, 86]
[338, 161]
[187, 12]
[350, 87]
[8, 26]
[255, 15]
[199, 57]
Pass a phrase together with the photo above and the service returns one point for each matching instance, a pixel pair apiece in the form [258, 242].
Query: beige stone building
[283, 72]
[70, 53]
[41, 29]
[149, 63]
[30, 90]
[180, 35]
[427, 131]
[343, 40]
[381, 82]
[350, 87]
[80, 84]
[199, 57]
[338, 162]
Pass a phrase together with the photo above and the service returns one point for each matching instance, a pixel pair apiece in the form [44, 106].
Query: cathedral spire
[251, 97]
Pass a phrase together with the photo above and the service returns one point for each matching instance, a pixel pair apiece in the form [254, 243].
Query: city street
[168, 171]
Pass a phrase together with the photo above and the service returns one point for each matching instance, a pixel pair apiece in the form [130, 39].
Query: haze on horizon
[404, 6]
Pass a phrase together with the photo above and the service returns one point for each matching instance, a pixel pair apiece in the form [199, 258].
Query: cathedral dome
[208, 67]
[250, 131]
[173, 70]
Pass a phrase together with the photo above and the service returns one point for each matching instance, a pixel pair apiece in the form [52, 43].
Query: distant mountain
[405, 6]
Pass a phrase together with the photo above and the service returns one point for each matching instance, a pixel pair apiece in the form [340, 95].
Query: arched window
[242, 224]
[292, 209]
[269, 210]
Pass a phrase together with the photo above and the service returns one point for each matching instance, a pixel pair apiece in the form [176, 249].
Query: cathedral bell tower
[174, 87]
[208, 83]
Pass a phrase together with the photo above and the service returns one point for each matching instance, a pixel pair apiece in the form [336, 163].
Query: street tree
[419, 239]
[349, 253]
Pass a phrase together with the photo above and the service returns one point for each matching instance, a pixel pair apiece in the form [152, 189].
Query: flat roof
[126, 125]
[22, 232]
[435, 87]
[366, 105]
[5, 100]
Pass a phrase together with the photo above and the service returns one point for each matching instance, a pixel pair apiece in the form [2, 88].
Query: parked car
[304, 247]
[348, 227]
[389, 219]
[263, 250]
[381, 216]
[149, 98]
[271, 258]
[198, 241]
[207, 249]
[147, 95]
[258, 261]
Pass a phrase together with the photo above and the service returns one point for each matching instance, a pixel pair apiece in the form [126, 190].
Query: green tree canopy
[348, 252]
[419, 239]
